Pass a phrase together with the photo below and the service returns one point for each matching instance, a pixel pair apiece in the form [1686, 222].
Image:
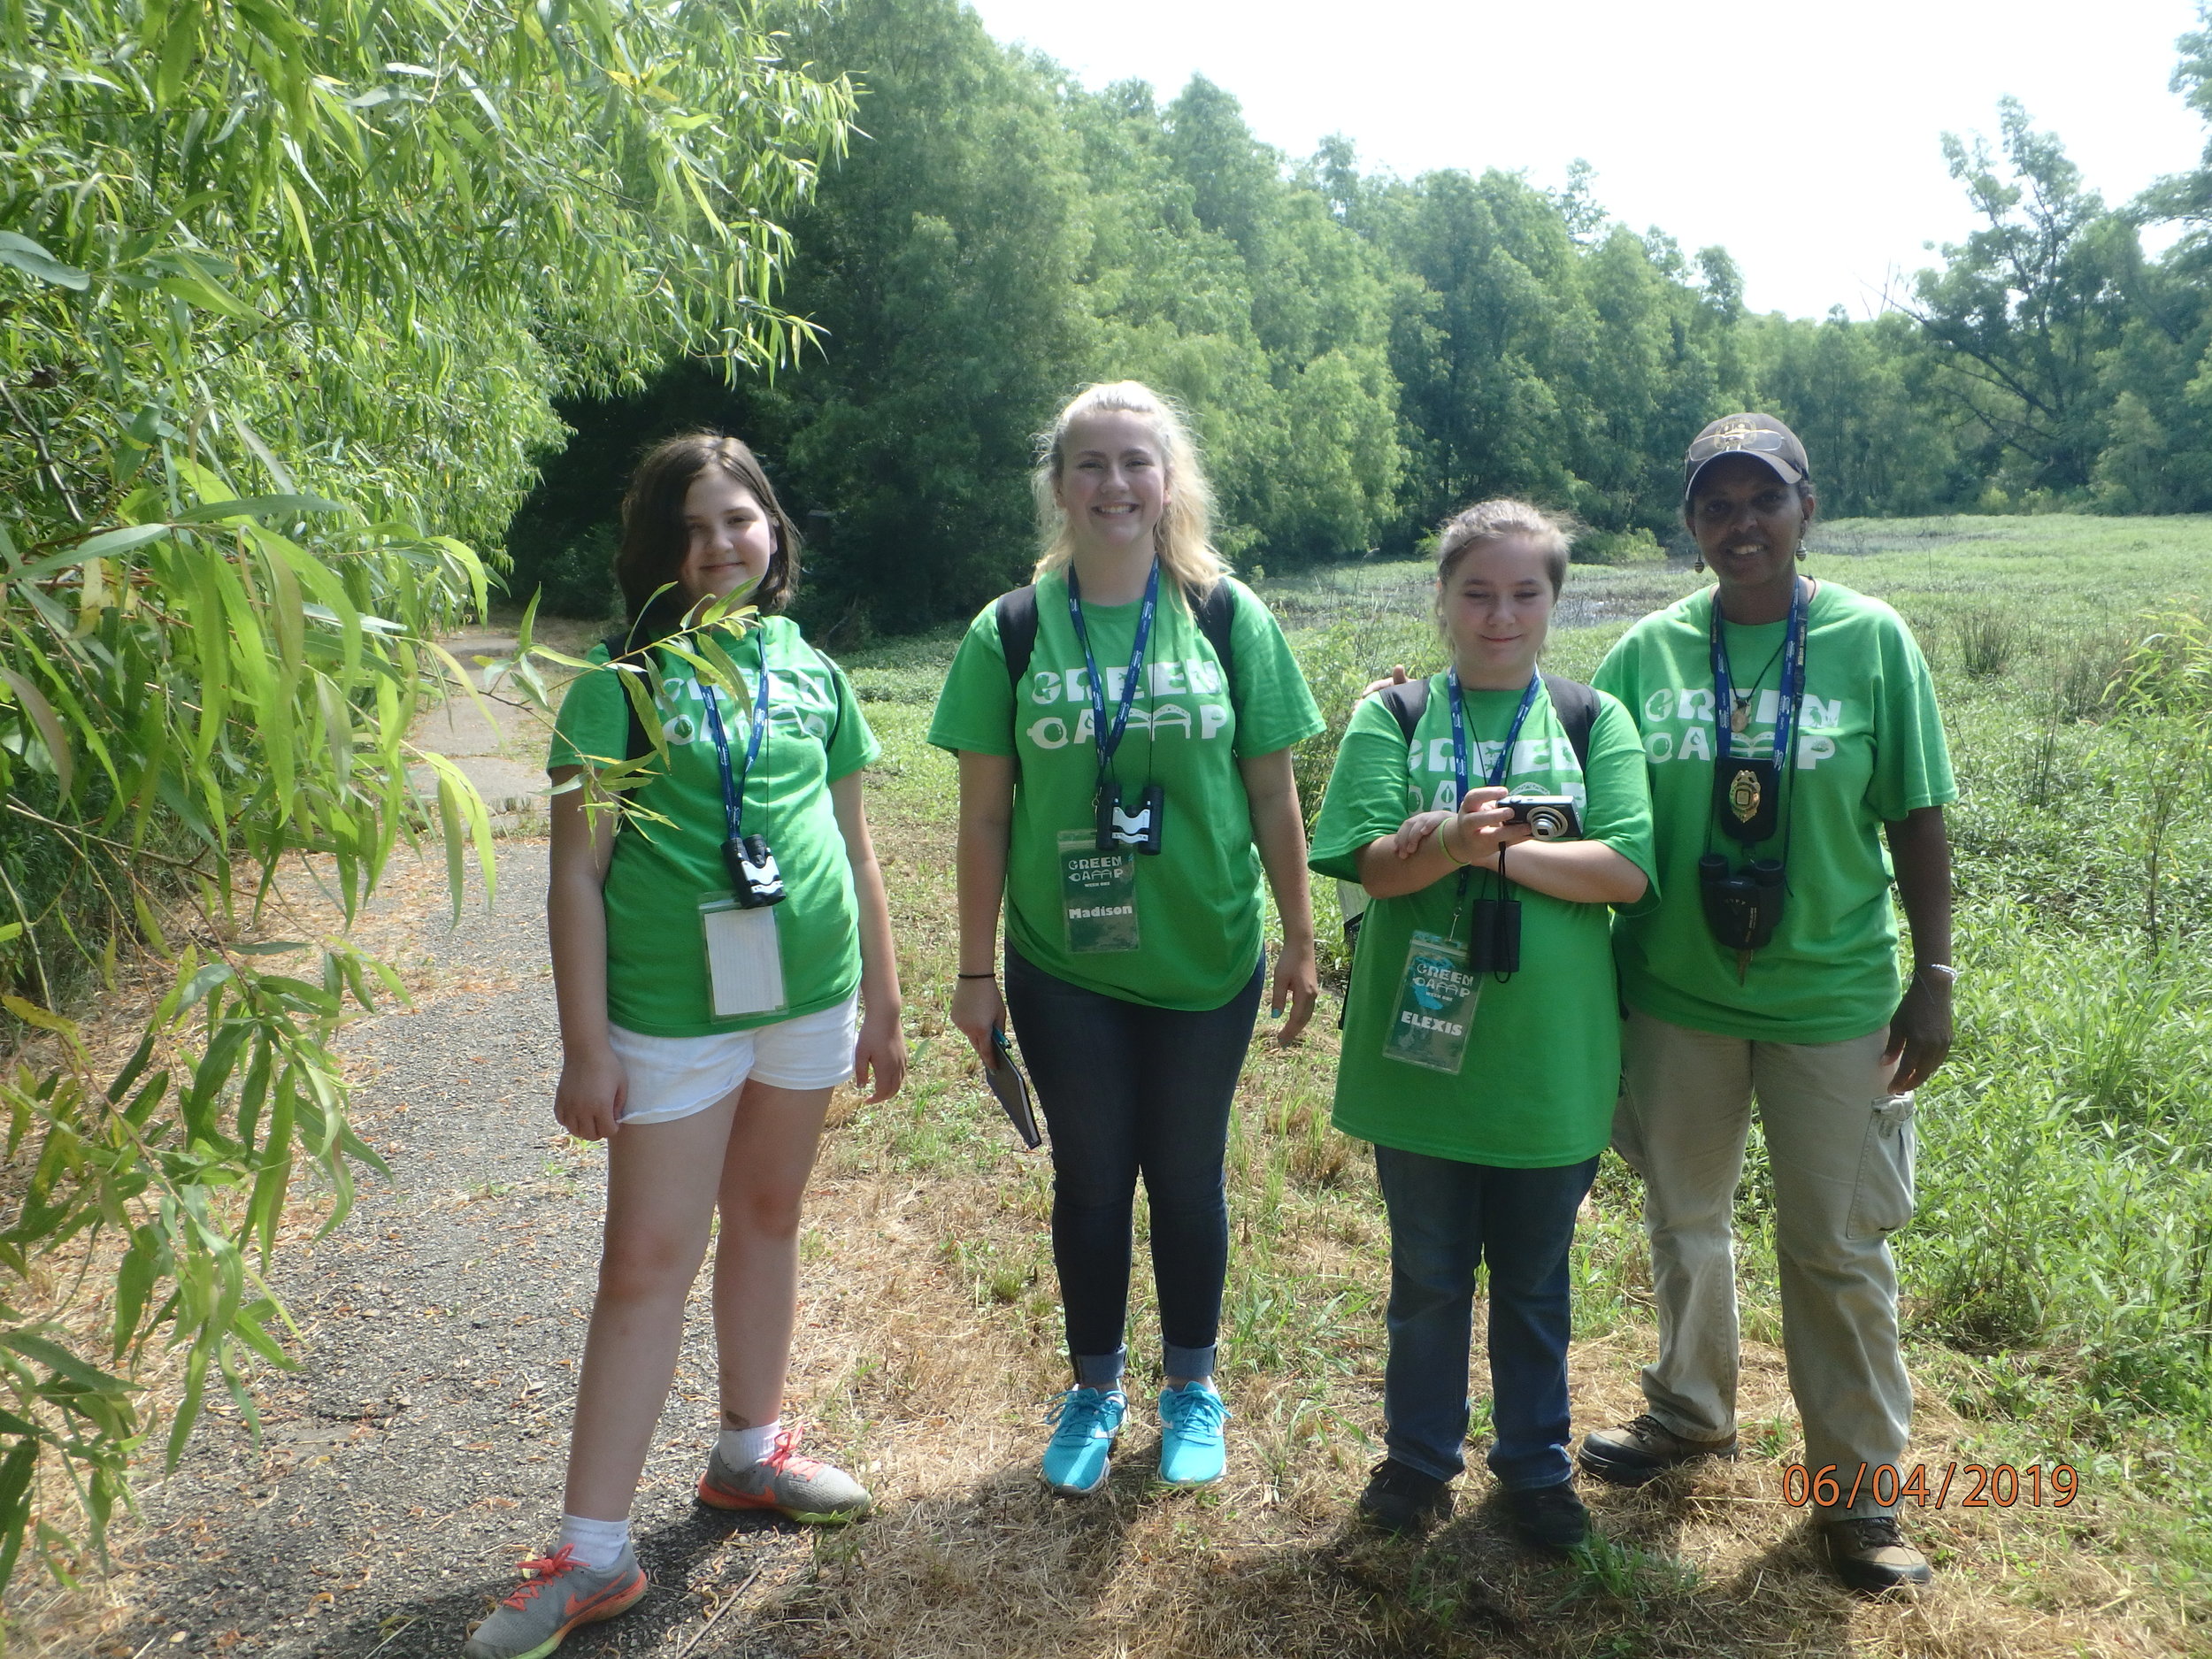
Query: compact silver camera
[1549, 817]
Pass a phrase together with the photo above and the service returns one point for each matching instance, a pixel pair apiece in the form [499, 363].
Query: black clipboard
[1012, 1089]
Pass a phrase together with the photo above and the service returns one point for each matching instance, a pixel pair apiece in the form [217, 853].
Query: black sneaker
[1550, 1517]
[1399, 1499]
[1870, 1556]
[1633, 1453]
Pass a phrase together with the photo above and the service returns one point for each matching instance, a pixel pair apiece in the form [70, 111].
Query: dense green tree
[1854, 393]
[2022, 312]
[1362, 354]
[2157, 456]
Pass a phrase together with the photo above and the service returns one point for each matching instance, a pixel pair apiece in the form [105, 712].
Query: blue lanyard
[1108, 741]
[1793, 691]
[1459, 732]
[733, 793]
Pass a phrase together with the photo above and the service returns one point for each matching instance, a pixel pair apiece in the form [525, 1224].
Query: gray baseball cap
[1761, 436]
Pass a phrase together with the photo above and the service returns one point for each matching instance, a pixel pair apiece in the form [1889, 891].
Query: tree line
[1362, 352]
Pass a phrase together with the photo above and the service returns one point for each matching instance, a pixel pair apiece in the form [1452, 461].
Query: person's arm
[1433, 845]
[1920, 1031]
[588, 1098]
[879, 1053]
[1278, 829]
[986, 818]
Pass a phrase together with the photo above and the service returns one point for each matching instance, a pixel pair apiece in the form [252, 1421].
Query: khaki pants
[1841, 1148]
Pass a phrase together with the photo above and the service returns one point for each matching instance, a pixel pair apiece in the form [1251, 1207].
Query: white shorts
[670, 1078]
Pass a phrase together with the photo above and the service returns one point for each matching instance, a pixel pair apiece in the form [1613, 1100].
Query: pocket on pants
[1882, 1201]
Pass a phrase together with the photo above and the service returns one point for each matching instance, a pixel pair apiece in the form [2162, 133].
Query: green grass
[2058, 1275]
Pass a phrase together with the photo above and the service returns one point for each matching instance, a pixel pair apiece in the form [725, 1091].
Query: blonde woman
[1124, 728]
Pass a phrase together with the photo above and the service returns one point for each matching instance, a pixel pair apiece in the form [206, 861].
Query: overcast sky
[1806, 139]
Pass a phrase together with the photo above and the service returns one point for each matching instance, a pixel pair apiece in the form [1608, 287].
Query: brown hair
[1497, 522]
[1184, 536]
[653, 537]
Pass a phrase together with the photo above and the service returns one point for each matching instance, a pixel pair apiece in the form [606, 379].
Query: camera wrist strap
[732, 791]
[1107, 741]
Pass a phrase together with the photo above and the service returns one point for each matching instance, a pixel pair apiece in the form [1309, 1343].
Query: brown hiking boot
[1870, 1555]
[1633, 1453]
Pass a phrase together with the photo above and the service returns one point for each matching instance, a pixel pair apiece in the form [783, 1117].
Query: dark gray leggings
[1130, 1090]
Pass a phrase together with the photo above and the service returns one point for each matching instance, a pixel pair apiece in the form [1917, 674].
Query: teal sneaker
[1085, 1422]
[1191, 1449]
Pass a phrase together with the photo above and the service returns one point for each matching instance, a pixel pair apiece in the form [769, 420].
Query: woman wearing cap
[1766, 975]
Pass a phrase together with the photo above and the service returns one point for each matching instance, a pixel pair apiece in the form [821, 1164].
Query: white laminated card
[744, 958]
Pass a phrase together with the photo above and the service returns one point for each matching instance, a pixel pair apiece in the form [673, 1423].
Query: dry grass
[930, 1344]
[934, 1336]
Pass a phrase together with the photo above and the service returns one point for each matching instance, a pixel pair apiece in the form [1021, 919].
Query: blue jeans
[1129, 1090]
[1446, 1217]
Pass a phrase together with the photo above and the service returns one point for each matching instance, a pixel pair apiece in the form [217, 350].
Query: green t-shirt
[656, 967]
[1542, 1067]
[1198, 901]
[1869, 750]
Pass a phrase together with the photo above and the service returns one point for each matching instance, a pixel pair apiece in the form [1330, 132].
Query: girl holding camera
[1790, 730]
[1124, 729]
[721, 965]
[1482, 1034]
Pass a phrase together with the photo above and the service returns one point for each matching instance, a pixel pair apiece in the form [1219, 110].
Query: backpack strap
[1577, 707]
[1217, 617]
[1407, 703]
[1016, 616]
[1574, 702]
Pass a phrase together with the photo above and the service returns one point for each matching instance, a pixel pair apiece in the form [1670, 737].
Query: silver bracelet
[1943, 971]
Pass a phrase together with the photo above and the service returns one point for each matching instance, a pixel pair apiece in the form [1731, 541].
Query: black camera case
[1742, 907]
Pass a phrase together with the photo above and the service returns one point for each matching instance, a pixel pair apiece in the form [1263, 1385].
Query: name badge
[1098, 894]
[744, 956]
[1436, 1006]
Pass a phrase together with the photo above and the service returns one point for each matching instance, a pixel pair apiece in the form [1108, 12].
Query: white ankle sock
[741, 1448]
[597, 1544]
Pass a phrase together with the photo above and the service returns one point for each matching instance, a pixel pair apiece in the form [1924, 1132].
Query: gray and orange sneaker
[803, 1488]
[560, 1595]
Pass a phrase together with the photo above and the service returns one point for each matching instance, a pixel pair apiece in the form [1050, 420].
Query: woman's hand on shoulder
[1397, 676]
[879, 1054]
[589, 1098]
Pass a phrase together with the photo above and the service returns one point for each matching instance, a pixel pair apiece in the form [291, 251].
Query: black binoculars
[1117, 829]
[1742, 907]
[755, 881]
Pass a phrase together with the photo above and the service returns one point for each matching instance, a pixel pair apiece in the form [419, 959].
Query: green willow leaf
[50, 727]
[27, 256]
[290, 506]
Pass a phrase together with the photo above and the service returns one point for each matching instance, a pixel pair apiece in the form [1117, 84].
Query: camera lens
[1546, 824]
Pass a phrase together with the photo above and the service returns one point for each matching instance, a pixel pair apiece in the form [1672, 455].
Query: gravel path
[416, 1453]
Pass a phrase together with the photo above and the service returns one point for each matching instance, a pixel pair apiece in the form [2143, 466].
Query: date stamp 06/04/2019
[1981, 1485]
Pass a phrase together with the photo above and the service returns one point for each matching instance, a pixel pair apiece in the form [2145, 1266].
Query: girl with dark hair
[718, 974]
